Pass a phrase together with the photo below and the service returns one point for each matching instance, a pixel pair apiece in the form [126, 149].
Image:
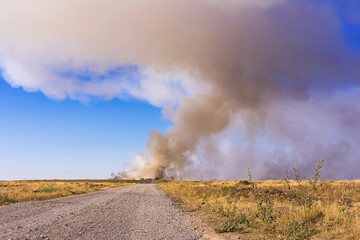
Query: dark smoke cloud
[253, 58]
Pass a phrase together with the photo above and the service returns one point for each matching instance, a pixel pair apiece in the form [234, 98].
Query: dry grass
[274, 209]
[23, 191]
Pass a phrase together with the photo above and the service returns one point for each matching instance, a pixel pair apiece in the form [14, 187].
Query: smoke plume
[266, 84]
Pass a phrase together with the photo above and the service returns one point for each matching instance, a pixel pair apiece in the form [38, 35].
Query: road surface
[133, 212]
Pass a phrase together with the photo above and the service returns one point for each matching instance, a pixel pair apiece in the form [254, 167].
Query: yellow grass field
[23, 191]
[287, 209]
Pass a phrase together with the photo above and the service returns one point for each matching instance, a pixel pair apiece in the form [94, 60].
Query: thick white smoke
[267, 84]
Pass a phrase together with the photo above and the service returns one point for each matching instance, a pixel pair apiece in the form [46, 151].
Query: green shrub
[297, 230]
[233, 221]
[265, 206]
[48, 189]
[244, 182]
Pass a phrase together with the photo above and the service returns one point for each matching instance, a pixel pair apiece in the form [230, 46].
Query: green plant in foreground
[303, 197]
[296, 230]
[265, 206]
[233, 222]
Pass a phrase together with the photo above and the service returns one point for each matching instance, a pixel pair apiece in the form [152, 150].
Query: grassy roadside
[24, 191]
[289, 209]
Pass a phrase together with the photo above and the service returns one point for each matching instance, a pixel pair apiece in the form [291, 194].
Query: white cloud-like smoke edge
[159, 89]
[225, 72]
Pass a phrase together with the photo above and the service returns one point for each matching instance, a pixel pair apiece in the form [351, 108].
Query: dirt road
[133, 212]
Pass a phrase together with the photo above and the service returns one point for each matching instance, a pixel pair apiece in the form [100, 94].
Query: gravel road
[133, 212]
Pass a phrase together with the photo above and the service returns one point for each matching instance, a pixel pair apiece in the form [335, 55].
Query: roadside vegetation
[23, 191]
[274, 209]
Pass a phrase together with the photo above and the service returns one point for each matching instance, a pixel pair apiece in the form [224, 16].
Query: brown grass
[23, 191]
[274, 209]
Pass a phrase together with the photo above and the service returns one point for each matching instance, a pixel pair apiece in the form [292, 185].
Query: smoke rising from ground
[265, 84]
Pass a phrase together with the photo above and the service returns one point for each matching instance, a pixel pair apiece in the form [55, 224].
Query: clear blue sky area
[42, 138]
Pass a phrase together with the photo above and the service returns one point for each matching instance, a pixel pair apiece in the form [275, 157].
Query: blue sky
[44, 138]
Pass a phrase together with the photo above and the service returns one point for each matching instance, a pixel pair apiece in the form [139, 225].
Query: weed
[249, 175]
[317, 171]
[233, 221]
[296, 230]
[287, 181]
[296, 174]
[265, 207]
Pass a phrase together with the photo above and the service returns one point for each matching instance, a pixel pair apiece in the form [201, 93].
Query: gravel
[133, 212]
